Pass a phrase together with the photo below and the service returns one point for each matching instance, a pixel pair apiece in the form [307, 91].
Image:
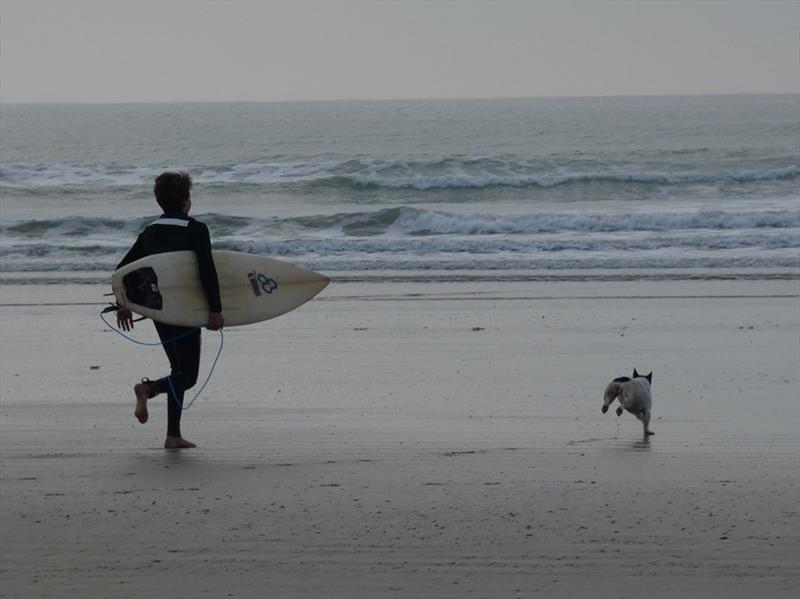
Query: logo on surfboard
[261, 282]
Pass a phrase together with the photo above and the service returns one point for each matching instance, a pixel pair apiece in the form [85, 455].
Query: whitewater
[662, 187]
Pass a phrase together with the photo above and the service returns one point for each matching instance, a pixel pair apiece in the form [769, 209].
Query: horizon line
[407, 99]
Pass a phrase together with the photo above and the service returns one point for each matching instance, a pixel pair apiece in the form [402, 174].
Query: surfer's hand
[215, 321]
[124, 319]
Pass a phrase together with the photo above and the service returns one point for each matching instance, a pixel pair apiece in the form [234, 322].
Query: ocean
[431, 190]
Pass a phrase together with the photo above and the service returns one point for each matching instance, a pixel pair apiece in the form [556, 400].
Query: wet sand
[394, 440]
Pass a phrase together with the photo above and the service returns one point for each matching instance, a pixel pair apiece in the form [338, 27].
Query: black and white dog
[633, 395]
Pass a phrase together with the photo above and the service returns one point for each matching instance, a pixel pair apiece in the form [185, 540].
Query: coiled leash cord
[114, 308]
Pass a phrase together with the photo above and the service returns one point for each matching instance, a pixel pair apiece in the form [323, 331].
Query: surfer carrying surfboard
[175, 231]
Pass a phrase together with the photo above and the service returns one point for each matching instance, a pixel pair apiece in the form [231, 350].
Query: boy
[175, 231]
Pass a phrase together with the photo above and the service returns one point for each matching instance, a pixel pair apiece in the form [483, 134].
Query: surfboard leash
[114, 308]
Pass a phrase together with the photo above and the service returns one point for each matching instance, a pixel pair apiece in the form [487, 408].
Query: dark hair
[172, 189]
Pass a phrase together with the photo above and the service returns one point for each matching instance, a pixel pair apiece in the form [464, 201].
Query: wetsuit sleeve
[201, 244]
[135, 253]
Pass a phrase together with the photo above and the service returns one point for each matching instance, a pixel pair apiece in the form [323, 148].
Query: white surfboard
[166, 287]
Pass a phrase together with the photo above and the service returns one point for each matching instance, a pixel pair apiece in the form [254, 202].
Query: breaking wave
[405, 238]
[414, 222]
[419, 175]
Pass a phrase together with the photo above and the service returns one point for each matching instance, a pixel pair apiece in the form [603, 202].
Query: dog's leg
[646, 422]
[611, 395]
[607, 402]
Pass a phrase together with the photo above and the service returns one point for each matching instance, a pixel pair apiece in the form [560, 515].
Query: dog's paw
[619, 411]
[604, 409]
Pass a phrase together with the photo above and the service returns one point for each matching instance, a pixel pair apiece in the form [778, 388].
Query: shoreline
[632, 276]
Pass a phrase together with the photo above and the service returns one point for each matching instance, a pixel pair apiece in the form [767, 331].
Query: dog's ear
[635, 374]
[649, 377]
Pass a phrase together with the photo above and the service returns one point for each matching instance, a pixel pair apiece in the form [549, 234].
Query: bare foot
[142, 392]
[177, 443]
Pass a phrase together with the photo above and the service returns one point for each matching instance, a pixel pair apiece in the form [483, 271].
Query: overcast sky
[253, 51]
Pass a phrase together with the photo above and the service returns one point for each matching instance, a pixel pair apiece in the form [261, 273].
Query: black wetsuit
[172, 233]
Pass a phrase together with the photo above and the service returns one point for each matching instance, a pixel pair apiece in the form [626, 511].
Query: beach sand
[391, 440]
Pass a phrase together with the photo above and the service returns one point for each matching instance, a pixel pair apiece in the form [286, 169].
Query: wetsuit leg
[182, 346]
